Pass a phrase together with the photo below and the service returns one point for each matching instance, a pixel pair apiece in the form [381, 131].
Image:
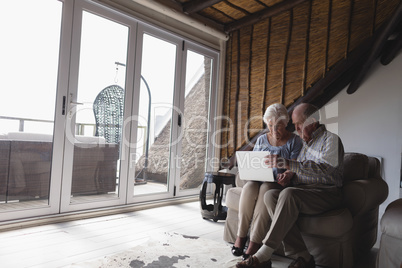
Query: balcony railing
[80, 128]
[22, 121]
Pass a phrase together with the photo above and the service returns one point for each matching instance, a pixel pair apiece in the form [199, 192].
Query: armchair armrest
[362, 195]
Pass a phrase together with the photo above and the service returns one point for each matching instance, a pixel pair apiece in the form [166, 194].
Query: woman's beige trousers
[253, 214]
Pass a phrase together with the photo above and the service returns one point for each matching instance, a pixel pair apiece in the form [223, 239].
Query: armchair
[339, 237]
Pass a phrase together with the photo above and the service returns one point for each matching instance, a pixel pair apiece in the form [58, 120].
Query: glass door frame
[71, 96]
[164, 35]
[214, 56]
[182, 47]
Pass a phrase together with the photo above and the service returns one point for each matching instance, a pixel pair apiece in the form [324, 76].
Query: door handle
[179, 120]
[73, 104]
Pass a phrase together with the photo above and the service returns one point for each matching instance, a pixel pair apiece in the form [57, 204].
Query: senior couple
[308, 170]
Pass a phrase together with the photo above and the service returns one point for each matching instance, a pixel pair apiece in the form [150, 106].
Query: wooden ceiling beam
[391, 50]
[178, 7]
[197, 5]
[376, 49]
[263, 14]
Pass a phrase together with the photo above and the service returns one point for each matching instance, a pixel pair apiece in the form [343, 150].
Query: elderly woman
[253, 213]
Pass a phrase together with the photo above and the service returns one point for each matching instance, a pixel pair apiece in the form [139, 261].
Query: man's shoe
[253, 262]
[301, 263]
[237, 251]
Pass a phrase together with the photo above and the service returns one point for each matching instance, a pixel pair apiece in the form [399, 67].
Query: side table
[215, 211]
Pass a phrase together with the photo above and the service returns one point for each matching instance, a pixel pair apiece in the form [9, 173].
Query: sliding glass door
[155, 111]
[170, 155]
[197, 98]
[98, 109]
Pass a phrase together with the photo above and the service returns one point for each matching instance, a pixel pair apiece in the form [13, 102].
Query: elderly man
[315, 188]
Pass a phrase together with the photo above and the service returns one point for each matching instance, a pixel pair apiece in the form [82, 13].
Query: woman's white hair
[276, 111]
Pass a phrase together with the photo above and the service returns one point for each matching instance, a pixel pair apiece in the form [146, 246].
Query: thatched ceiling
[230, 15]
[293, 51]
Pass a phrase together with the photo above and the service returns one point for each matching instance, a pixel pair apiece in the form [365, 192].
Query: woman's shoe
[245, 256]
[237, 251]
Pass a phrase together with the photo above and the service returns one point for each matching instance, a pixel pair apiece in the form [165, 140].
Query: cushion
[28, 136]
[233, 198]
[334, 223]
[89, 139]
[355, 166]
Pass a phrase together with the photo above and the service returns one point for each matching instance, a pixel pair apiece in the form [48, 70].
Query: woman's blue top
[290, 150]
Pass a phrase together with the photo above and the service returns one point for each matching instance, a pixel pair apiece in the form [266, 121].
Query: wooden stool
[215, 211]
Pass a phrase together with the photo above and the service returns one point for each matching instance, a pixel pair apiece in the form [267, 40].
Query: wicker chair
[108, 110]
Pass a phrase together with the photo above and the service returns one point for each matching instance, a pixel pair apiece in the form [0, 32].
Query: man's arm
[324, 164]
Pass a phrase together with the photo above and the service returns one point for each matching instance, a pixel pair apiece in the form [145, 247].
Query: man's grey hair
[276, 111]
[312, 111]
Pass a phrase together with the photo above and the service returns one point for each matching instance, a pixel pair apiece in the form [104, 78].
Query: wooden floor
[58, 245]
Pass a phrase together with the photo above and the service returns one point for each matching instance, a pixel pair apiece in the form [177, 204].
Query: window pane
[99, 116]
[29, 53]
[196, 106]
[156, 104]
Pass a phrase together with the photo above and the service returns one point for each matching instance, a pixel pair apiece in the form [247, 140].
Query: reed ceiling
[293, 51]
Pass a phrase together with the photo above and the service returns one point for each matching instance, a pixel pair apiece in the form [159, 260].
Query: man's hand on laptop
[275, 161]
[284, 178]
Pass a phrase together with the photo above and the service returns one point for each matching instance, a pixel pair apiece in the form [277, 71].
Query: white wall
[370, 120]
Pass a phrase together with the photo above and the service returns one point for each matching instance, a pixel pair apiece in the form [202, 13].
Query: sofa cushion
[392, 219]
[334, 223]
[233, 198]
[28, 136]
[355, 166]
[89, 139]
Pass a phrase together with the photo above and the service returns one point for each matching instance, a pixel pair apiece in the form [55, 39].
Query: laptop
[251, 166]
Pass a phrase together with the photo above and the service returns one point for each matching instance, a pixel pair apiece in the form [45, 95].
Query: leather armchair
[389, 254]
